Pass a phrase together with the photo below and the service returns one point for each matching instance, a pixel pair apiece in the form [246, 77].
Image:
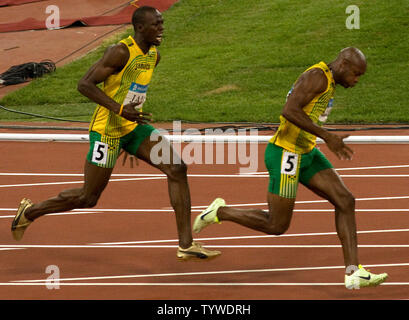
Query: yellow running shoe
[20, 222]
[362, 278]
[208, 216]
[196, 251]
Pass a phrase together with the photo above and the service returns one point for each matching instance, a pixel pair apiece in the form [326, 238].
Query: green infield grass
[235, 60]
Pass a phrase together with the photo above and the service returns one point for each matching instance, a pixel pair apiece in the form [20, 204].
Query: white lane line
[360, 199]
[93, 210]
[143, 242]
[31, 174]
[296, 246]
[122, 284]
[272, 246]
[147, 175]
[160, 177]
[39, 184]
[342, 176]
[115, 211]
[153, 175]
[230, 205]
[357, 210]
[353, 168]
[144, 177]
[73, 182]
[202, 273]
[184, 284]
[309, 201]
[374, 175]
[56, 214]
[375, 167]
[256, 236]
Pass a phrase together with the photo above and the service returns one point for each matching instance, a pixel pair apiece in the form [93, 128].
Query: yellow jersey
[124, 87]
[294, 139]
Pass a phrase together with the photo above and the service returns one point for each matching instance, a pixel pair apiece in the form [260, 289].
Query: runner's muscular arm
[114, 59]
[305, 89]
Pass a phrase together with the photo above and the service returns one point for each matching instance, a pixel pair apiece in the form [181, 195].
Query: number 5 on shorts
[99, 154]
[289, 163]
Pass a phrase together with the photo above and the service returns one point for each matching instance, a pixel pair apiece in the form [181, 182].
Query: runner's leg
[274, 221]
[328, 184]
[95, 181]
[281, 194]
[178, 188]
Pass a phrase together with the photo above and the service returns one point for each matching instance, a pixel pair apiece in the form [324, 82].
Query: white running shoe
[208, 216]
[363, 278]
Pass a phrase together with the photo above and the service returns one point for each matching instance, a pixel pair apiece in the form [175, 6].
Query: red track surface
[151, 270]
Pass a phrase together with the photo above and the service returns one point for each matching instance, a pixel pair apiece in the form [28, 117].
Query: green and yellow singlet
[294, 139]
[124, 87]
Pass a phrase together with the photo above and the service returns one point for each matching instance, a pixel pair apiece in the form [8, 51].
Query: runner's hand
[336, 144]
[131, 114]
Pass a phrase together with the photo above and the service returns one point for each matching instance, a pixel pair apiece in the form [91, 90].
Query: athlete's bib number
[289, 163]
[99, 154]
[136, 93]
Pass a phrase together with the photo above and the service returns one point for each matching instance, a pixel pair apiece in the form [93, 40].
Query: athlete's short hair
[139, 14]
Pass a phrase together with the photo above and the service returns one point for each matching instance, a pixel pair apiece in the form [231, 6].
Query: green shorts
[286, 169]
[104, 150]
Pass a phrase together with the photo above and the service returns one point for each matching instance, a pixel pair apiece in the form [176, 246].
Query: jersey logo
[143, 66]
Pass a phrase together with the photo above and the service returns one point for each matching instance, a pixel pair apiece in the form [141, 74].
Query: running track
[125, 247]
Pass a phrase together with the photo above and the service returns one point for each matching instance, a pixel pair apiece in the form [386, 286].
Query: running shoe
[20, 222]
[196, 251]
[208, 216]
[363, 278]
